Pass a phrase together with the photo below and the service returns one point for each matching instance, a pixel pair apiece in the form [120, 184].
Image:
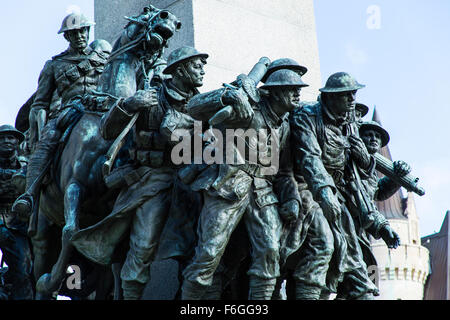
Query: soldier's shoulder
[60, 55]
[306, 108]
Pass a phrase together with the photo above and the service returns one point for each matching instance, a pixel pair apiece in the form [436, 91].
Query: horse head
[147, 33]
[142, 41]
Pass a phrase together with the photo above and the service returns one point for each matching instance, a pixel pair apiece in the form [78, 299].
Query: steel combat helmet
[180, 55]
[341, 82]
[284, 78]
[284, 63]
[362, 108]
[75, 21]
[373, 125]
[8, 129]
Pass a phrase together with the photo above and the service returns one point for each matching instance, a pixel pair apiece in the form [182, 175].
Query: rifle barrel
[409, 182]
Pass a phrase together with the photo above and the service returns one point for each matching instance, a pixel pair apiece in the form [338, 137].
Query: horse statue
[77, 196]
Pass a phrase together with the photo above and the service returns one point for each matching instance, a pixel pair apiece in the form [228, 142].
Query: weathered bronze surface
[124, 162]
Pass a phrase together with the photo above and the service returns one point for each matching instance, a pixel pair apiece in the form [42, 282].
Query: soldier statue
[361, 110]
[70, 75]
[376, 137]
[331, 156]
[143, 204]
[235, 191]
[14, 242]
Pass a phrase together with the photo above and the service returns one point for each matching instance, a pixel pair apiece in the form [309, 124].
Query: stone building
[402, 272]
[437, 286]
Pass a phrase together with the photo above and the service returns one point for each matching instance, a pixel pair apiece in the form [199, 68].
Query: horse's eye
[163, 14]
[178, 25]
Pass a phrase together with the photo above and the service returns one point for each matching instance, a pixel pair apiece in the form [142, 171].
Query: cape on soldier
[13, 231]
[243, 190]
[143, 203]
[69, 76]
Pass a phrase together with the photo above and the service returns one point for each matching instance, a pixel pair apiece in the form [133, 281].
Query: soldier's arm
[308, 154]
[386, 189]
[46, 88]
[114, 121]
[123, 110]
[285, 185]
[379, 222]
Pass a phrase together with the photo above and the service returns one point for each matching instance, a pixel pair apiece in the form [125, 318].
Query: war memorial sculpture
[121, 161]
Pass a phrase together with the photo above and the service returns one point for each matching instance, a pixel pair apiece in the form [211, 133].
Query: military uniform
[234, 191]
[377, 190]
[320, 150]
[144, 203]
[14, 242]
[306, 248]
[66, 77]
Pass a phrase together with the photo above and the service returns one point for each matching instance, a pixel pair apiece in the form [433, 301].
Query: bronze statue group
[90, 177]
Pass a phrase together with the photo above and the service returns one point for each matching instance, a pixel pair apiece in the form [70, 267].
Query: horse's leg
[43, 242]
[50, 282]
[72, 200]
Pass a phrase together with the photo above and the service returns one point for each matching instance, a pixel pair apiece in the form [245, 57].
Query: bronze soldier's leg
[314, 257]
[264, 230]
[146, 229]
[37, 165]
[218, 219]
[356, 283]
[17, 254]
[44, 246]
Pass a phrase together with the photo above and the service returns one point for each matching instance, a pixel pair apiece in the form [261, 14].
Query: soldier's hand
[390, 237]
[329, 203]
[289, 211]
[7, 173]
[142, 99]
[241, 107]
[401, 168]
[359, 151]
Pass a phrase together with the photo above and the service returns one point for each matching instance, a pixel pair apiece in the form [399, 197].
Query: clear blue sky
[404, 63]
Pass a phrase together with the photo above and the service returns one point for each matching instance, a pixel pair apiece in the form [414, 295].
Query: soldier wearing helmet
[63, 81]
[13, 232]
[284, 63]
[146, 200]
[323, 145]
[361, 110]
[376, 137]
[243, 191]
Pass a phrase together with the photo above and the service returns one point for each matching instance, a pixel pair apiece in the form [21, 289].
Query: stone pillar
[235, 33]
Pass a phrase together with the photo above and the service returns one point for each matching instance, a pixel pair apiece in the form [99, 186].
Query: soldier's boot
[303, 292]
[37, 168]
[23, 206]
[261, 289]
[366, 296]
[325, 295]
[132, 290]
[192, 290]
[214, 291]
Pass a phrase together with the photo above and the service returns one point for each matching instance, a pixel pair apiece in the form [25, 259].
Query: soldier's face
[291, 98]
[8, 144]
[372, 140]
[78, 38]
[286, 99]
[195, 69]
[343, 102]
